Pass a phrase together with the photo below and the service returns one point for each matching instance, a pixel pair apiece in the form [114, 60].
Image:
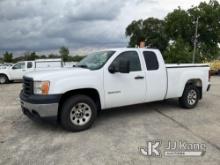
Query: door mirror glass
[112, 69]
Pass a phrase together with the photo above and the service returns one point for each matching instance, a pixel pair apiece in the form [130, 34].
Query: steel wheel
[192, 97]
[3, 79]
[80, 114]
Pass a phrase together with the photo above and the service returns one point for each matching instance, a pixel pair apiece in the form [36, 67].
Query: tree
[64, 52]
[136, 32]
[8, 57]
[154, 33]
[178, 24]
[150, 30]
[181, 23]
[208, 29]
[178, 52]
[30, 56]
[53, 56]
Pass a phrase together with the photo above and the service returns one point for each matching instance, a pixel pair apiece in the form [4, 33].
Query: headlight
[41, 87]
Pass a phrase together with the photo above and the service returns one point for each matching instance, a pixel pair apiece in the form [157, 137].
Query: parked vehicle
[107, 79]
[17, 71]
[5, 65]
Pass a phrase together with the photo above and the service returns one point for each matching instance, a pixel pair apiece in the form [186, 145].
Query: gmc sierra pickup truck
[107, 79]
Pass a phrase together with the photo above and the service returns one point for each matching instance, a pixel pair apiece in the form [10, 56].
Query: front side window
[95, 60]
[19, 66]
[29, 65]
[132, 57]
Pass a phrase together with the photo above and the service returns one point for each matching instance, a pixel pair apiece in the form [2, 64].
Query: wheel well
[197, 83]
[3, 75]
[92, 93]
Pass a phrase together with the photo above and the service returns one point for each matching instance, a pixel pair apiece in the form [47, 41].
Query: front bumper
[38, 107]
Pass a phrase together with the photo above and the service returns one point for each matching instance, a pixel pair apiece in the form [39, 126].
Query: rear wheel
[3, 79]
[190, 97]
[78, 113]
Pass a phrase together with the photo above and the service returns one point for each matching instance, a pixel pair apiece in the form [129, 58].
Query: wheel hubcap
[2, 80]
[192, 97]
[80, 114]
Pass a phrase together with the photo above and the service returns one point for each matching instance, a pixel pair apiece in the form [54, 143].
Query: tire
[78, 113]
[3, 79]
[190, 97]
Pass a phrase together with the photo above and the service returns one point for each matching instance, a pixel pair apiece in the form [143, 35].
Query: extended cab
[18, 70]
[107, 79]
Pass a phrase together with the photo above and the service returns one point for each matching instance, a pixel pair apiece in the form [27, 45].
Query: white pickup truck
[107, 79]
[17, 71]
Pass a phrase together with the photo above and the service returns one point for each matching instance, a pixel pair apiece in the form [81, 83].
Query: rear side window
[132, 57]
[151, 60]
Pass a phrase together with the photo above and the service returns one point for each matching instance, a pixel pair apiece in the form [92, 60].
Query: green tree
[53, 56]
[8, 57]
[181, 23]
[136, 32]
[178, 52]
[208, 29]
[30, 56]
[64, 52]
[150, 30]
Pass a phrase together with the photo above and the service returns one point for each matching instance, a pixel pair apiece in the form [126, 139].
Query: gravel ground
[116, 135]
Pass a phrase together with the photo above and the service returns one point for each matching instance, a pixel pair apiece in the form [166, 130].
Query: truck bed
[179, 74]
[185, 65]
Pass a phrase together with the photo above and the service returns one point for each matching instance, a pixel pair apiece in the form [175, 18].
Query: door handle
[139, 77]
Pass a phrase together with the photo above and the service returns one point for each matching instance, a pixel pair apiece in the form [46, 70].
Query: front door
[125, 88]
[17, 71]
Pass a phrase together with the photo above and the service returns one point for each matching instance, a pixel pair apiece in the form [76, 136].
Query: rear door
[156, 76]
[125, 88]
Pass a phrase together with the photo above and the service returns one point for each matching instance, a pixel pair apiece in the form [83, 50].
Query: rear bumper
[38, 107]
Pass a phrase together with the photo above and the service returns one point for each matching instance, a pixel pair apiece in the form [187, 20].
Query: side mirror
[112, 69]
[124, 66]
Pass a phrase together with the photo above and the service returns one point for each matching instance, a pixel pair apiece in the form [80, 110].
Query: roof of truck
[124, 49]
[51, 59]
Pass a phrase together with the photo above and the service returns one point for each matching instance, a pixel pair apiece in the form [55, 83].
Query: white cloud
[46, 25]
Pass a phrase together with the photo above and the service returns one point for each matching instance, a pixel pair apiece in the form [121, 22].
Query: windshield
[95, 60]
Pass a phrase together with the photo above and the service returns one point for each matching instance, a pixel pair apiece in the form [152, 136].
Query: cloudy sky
[81, 25]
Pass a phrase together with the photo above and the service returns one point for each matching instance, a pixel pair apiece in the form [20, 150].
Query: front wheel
[190, 97]
[3, 79]
[78, 113]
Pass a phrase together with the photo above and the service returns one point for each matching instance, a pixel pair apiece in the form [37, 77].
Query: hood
[57, 73]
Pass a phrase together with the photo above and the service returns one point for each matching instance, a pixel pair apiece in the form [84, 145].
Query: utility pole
[195, 40]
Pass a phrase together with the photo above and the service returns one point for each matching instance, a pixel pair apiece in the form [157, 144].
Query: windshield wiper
[82, 66]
